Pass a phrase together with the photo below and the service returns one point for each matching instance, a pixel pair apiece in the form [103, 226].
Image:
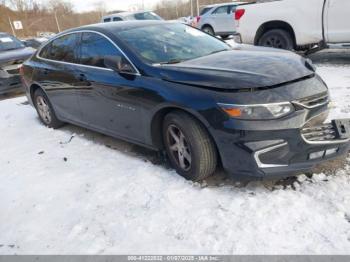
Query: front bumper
[10, 84]
[274, 154]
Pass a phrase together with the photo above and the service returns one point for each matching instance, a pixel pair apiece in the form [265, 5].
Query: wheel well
[274, 25]
[207, 25]
[32, 89]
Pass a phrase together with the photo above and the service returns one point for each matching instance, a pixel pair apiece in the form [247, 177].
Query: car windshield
[170, 43]
[8, 42]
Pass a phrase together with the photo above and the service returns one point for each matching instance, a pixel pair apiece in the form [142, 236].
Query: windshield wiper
[172, 61]
[218, 51]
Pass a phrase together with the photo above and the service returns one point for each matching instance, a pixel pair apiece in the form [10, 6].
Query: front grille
[14, 71]
[314, 101]
[320, 133]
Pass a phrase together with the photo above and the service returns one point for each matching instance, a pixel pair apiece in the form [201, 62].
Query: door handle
[82, 78]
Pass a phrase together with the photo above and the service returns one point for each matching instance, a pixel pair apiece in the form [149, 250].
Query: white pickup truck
[303, 25]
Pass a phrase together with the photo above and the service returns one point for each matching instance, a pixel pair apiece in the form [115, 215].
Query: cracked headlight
[258, 111]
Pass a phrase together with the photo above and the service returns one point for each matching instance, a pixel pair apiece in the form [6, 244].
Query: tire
[208, 29]
[45, 110]
[277, 38]
[193, 145]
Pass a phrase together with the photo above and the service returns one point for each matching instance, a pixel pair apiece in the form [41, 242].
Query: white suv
[218, 19]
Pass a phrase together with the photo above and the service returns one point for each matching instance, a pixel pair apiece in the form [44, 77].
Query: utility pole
[13, 30]
[198, 7]
[58, 25]
[191, 1]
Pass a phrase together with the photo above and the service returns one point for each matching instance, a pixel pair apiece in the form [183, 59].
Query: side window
[117, 19]
[62, 49]
[106, 20]
[232, 8]
[221, 10]
[94, 49]
[45, 52]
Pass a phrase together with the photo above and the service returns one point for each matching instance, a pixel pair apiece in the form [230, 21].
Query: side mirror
[118, 64]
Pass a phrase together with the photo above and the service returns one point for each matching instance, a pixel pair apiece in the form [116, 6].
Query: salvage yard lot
[74, 191]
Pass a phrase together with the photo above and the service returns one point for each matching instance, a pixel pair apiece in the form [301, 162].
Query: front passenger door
[110, 101]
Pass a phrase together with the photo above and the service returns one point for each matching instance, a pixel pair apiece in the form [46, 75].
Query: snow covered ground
[66, 192]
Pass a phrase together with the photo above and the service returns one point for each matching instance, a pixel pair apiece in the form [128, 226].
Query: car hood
[17, 56]
[240, 68]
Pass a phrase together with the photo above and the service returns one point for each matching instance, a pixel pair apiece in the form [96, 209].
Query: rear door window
[117, 19]
[94, 48]
[106, 20]
[62, 49]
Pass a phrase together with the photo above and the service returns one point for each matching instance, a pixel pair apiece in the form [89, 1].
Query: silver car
[124, 16]
[218, 19]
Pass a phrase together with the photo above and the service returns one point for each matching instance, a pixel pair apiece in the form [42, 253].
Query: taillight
[198, 18]
[21, 71]
[239, 13]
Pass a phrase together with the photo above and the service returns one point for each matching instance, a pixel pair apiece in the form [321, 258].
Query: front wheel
[277, 38]
[190, 149]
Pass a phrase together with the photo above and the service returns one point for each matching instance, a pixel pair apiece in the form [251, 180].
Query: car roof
[124, 14]
[223, 4]
[120, 25]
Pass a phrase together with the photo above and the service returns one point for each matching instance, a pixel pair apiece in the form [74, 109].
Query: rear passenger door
[224, 22]
[110, 100]
[55, 72]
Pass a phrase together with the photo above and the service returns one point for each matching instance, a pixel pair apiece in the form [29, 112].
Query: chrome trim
[266, 150]
[252, 105]
[88, 66]
[297, 102]
[333, 142]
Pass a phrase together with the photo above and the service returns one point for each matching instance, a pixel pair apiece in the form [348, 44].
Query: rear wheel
[277, 38]
[208, 29]
[190, 149]
[45, 110]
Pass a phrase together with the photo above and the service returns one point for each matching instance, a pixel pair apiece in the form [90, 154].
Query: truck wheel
[189, 147]
[208, 29]
[45, 110]
[277, 38]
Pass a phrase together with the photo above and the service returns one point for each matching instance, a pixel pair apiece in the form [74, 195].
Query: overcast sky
[88, 5]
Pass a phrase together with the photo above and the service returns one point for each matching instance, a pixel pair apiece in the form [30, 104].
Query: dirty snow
[64, 192]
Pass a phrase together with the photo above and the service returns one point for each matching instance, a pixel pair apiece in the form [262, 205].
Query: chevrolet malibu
[257, 112]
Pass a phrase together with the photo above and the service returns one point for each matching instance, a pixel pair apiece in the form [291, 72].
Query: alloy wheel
[179, 147]
[275, 42]
[43, 109]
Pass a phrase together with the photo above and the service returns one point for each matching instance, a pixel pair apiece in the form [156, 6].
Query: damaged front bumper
[282, 153]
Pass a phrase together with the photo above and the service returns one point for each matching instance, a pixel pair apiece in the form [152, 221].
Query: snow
[65, 192]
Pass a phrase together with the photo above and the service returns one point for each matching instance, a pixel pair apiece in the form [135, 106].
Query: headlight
[259, 111]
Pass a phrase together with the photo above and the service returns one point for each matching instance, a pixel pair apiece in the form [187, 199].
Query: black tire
[208, 29]
[224, 37]
[196, 143]
[45, 110]
[277, 38]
